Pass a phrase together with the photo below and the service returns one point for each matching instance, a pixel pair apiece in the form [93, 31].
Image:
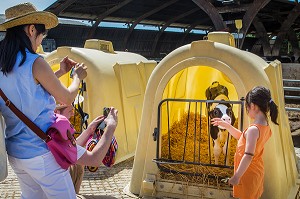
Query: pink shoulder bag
[59, 136]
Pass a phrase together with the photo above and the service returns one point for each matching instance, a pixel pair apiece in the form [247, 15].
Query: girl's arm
[95, 157]
[236, 133]
[251, 135]
[85, 135]
[44, 75]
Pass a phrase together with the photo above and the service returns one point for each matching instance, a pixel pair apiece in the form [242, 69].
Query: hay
[193, 146]
[76, 122]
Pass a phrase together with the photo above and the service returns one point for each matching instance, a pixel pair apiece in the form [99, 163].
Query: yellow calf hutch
[114, 79]
[173, 157]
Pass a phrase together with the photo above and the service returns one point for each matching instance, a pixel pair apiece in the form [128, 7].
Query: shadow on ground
[296, 140]
[98, 197]
[103, 172]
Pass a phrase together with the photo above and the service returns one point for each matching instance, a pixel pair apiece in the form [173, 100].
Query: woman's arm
[251, 135]
[236, 133]
[43, 73]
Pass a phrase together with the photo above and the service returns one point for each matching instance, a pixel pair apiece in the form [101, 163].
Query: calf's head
[223, 111]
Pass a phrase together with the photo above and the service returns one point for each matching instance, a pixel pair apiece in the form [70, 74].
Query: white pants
[41, 177]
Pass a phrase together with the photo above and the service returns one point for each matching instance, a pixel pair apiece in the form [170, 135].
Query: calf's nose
[226, 118]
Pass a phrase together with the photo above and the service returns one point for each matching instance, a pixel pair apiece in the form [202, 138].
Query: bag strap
[84, 116]
[24, 118]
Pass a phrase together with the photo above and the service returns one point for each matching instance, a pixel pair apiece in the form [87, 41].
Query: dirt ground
[294, 120]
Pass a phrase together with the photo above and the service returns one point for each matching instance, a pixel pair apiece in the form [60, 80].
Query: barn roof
[174, 13]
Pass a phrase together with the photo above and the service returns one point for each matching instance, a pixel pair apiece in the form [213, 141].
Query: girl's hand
[80, 71]
[94, 124]
[220, 122]
[66, 65]
[234, 180]
[112, 118]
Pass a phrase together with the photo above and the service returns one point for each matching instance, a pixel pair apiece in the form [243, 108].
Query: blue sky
[39, 4]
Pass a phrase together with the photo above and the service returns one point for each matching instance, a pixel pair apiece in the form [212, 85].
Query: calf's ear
[211, 114]
[233, 118]
[214, 131]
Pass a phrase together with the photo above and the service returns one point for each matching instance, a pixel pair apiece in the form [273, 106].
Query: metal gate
[193, 121]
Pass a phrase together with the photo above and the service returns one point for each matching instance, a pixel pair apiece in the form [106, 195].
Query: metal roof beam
[99, 18]
[250, 14]
[233, 9]
[63, 6]
[147, 14]
[262, 34]
[212, 12]
[294, 42]
[285, 28]
[189, 29]
[158, 35]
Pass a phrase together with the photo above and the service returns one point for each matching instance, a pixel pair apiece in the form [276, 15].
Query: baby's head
[65, 110]
[261, 97]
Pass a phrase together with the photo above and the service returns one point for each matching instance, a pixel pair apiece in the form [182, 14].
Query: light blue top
[31, 99]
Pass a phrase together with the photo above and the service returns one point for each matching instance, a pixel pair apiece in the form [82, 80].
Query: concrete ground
[105, 183]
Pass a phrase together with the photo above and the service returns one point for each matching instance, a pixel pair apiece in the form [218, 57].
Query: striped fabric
[110, 156]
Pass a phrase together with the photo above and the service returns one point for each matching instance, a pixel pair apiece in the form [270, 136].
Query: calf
[218, 133]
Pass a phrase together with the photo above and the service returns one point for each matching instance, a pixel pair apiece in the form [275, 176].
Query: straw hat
[27, 13]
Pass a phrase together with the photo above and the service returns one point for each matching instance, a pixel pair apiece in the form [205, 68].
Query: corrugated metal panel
[2, 35]
[140, 41]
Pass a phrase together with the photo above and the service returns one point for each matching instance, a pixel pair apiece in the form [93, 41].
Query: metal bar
[169, 137]
[186, 131]
[292, 109]
[194, 100]
[185, 173]
[195, 132]
[291, 88]
[292, 97]
[159, 161]
[227, 143]
[208, 130]
[174, 162]
[242, 113]
[291, 80]
[158, 130]
[200, 130]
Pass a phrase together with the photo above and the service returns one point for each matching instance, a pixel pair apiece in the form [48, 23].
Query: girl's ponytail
[273, 111]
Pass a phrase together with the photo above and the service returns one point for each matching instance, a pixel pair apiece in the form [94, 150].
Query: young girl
[248, 175]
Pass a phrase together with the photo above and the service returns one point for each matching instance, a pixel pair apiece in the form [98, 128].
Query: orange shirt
[251, 183]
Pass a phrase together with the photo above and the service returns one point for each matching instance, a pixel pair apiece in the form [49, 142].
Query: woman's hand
[220, 122]
[80, 71]
[234, 180]
[66, 65]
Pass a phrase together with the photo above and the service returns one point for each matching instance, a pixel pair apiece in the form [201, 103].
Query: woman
[30, 84]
